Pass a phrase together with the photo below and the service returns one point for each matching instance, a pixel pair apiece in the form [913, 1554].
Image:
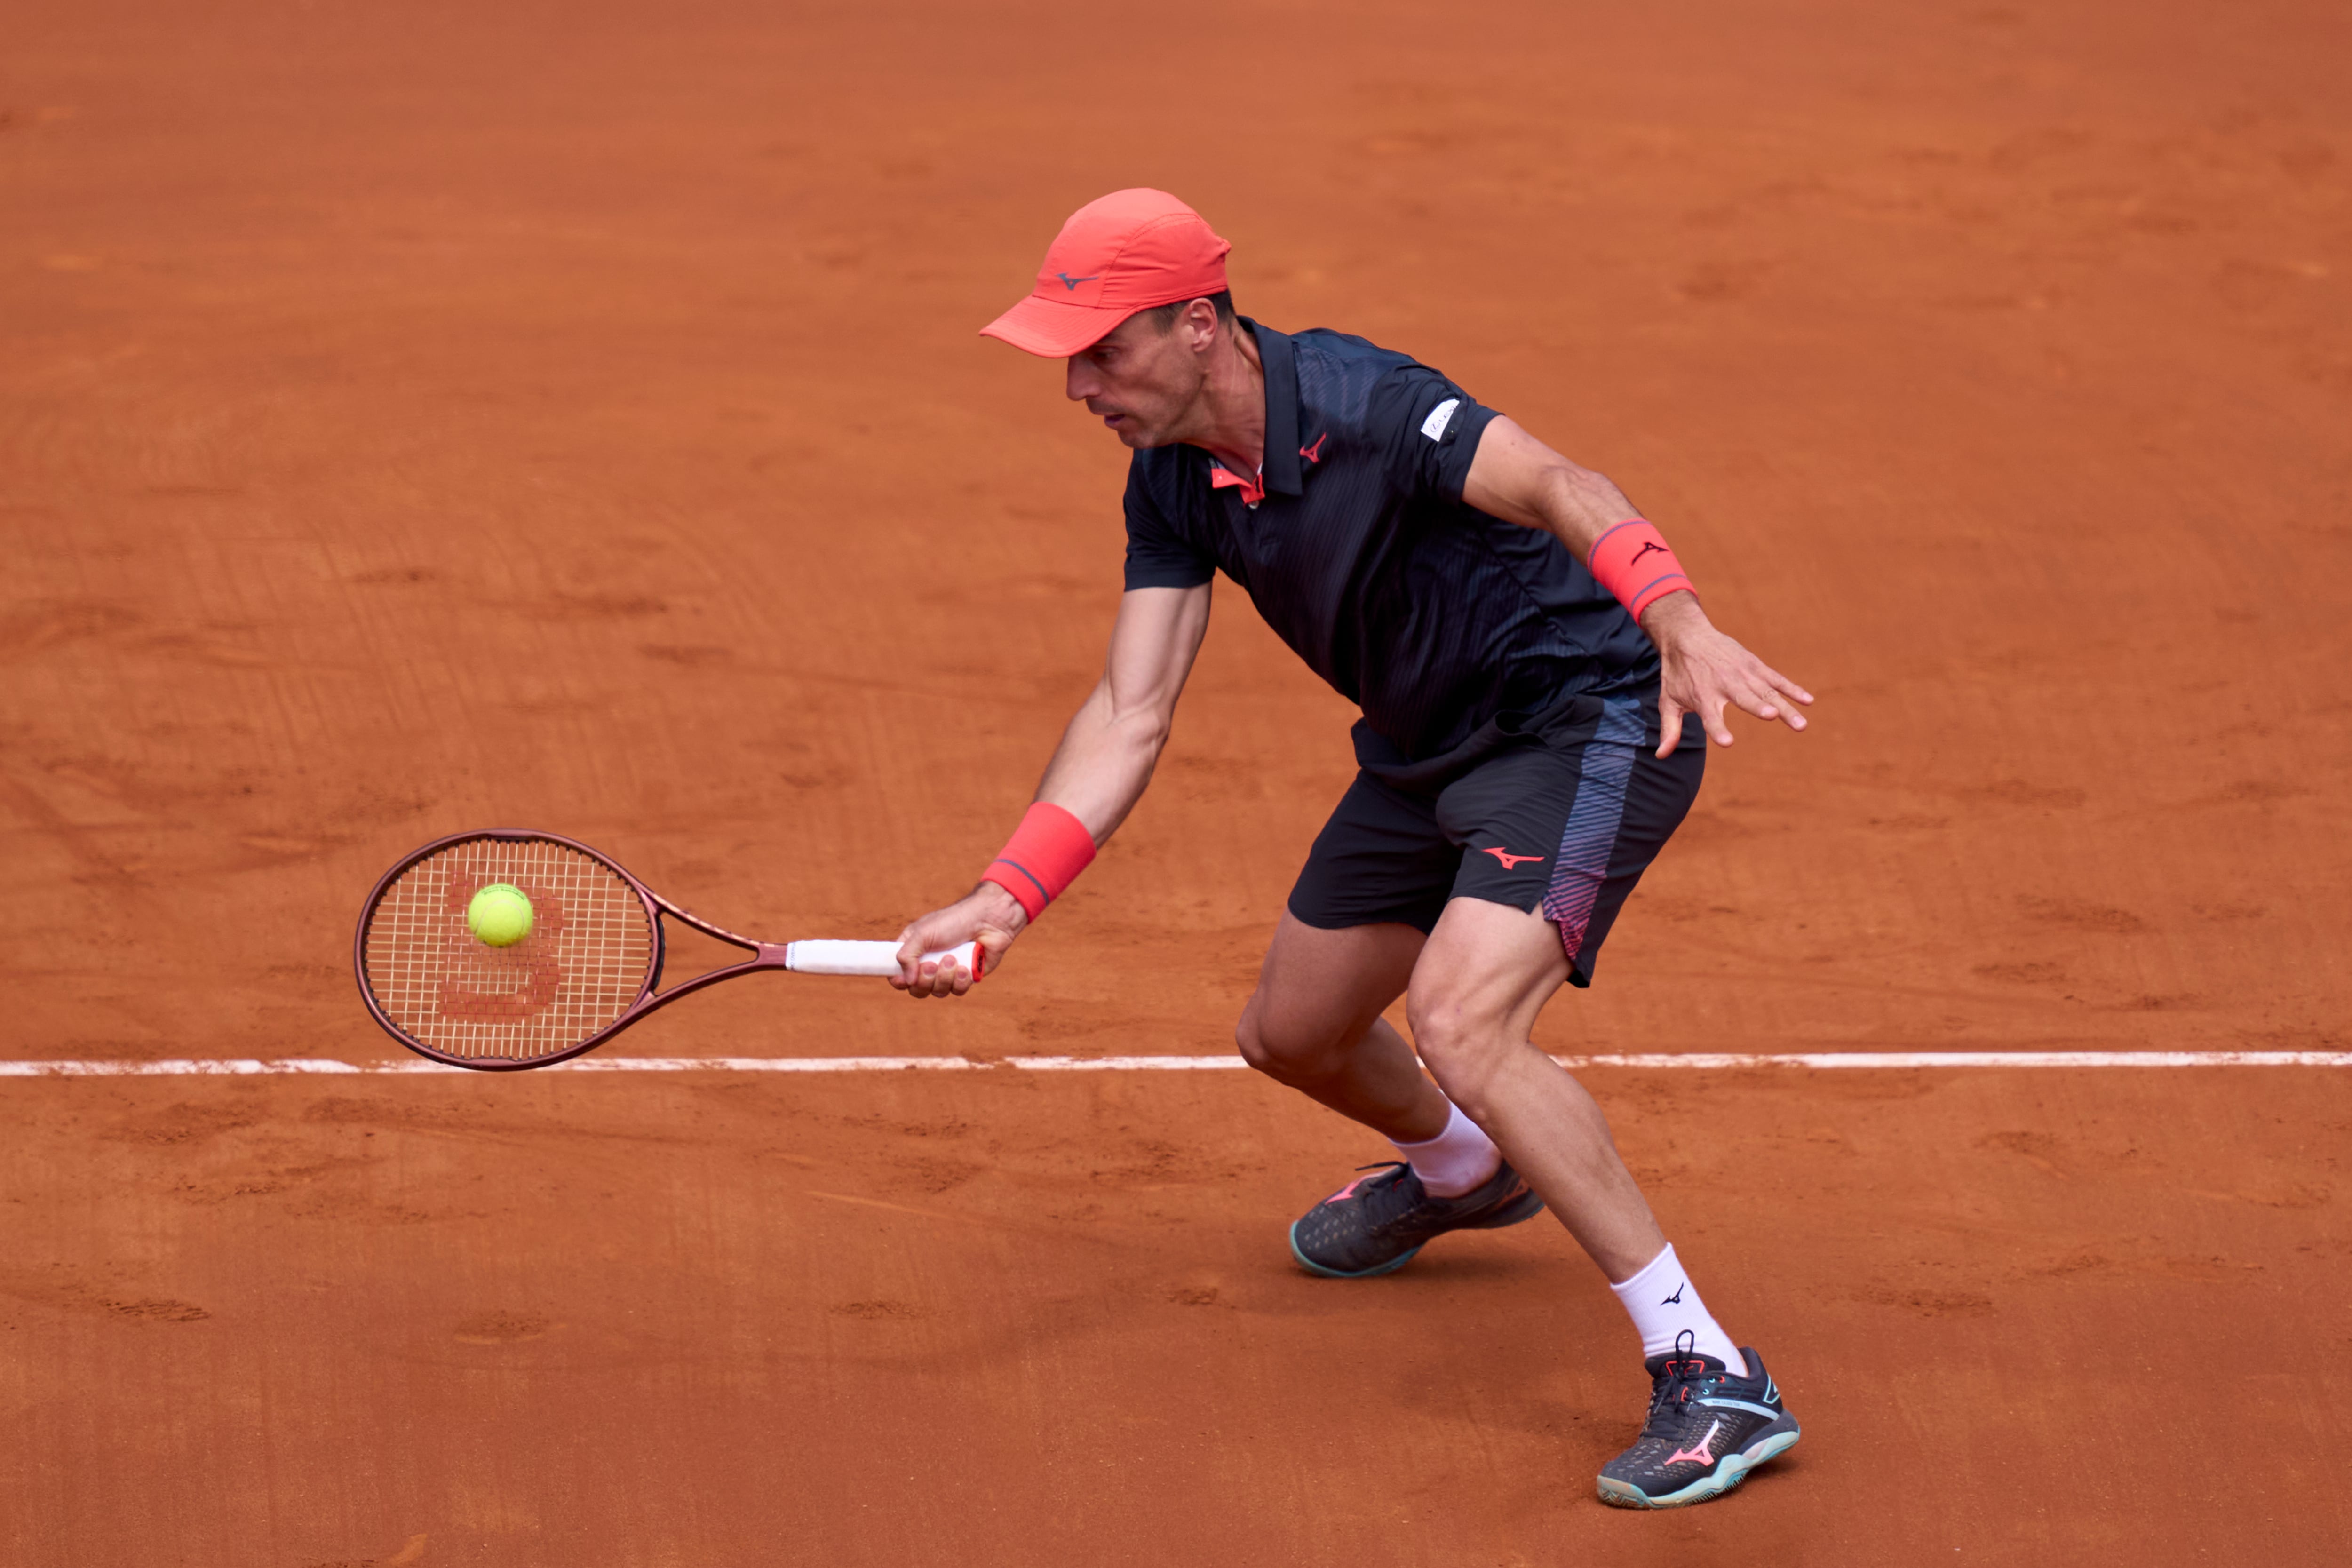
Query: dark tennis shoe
[1375, 1224]
[1707, 1430]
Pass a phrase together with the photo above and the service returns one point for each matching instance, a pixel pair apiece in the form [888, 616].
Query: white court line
[1694, 1061]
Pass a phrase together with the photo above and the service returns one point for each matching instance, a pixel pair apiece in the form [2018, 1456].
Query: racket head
[592, 958]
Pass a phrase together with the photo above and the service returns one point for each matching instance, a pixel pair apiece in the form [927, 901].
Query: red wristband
[1631, 561]
[1044, 855]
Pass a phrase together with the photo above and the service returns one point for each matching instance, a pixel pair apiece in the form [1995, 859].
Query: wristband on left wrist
[1634, 562]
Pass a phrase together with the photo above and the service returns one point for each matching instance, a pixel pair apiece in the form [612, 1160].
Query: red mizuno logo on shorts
[1510, 862]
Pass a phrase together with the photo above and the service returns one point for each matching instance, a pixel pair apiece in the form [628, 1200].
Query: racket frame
[764, 954]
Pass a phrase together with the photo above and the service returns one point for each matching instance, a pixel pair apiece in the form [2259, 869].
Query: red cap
[1127, 252]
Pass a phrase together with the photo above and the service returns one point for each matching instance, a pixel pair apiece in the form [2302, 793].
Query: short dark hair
[1164, 316]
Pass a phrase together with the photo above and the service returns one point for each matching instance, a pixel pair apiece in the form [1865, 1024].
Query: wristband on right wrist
[1044, 855]
[1632, 561]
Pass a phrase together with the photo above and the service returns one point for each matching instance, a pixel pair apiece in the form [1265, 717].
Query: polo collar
[1280, 472]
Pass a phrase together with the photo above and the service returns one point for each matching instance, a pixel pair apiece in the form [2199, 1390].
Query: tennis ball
[499, 915]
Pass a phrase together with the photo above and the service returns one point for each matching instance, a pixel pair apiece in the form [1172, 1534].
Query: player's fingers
[941, 975]
[1756, 699]
[910, 951]
[1794, 692]
[1759, 690]
[1712, 711]
[1670, 724]
[1786, 686]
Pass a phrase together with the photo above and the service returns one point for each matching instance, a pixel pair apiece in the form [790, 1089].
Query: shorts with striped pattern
[1568, 822]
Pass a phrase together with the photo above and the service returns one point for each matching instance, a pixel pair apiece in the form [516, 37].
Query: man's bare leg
[1314, 1023]
[1482, 976]
[1486, 973]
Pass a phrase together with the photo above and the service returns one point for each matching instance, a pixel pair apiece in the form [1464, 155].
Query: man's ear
[1199, 319]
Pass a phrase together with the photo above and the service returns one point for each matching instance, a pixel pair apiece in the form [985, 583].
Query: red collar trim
[1222, 478]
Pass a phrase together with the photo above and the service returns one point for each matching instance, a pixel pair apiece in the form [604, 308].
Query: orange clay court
[429, 418]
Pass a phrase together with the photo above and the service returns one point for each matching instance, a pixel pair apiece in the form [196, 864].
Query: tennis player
[1527, 653]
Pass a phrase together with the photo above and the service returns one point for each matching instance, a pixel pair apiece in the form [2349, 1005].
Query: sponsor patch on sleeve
[1438, 417]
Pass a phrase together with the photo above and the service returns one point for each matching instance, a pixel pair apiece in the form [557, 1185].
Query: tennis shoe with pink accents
[1375, 1224]
[1707, 1430]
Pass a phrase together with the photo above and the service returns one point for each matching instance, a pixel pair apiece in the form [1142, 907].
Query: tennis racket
[587, 969]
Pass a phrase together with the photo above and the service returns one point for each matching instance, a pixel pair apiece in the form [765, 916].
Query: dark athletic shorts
[1569, 819]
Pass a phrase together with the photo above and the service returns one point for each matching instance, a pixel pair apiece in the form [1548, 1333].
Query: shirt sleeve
[1429, 430]
[1158, 554]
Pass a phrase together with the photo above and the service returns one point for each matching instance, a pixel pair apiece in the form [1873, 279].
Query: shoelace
[1675, 1389]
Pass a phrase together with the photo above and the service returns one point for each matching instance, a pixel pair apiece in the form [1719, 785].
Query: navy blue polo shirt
[1437, 619]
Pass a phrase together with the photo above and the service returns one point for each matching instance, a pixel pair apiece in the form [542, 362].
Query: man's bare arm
[1519, 478]
[1115, 738]
[1098, 774]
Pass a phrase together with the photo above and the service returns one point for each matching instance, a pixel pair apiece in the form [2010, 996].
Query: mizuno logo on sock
[1698, 1455]
[1676, 1299]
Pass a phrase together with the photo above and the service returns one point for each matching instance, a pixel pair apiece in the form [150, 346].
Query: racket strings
[588, 957]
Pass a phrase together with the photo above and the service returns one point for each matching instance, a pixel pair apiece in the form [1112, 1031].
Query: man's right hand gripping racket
[585, 968]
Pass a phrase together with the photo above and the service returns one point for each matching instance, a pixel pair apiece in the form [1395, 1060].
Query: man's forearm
[1580, 506]
[1105, 761]
[1098, 774]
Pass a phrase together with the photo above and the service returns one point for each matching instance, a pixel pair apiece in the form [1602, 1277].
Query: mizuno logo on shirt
[1315, 454]
[1510, 862]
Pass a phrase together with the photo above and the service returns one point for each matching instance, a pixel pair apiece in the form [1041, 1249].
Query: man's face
[1142, 381]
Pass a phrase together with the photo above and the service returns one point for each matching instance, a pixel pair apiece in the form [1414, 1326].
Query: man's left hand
[1704, 671]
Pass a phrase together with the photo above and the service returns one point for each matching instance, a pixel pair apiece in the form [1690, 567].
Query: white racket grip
[876, 958]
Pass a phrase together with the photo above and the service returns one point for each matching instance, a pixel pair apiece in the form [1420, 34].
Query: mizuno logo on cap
[1072, 283]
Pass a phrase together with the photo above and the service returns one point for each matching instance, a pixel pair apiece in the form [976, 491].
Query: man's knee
[1459, 1041]
[1285, 1050]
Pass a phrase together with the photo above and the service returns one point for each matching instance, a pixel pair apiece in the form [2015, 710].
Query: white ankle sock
[1456, 1161]
[1664, 1305]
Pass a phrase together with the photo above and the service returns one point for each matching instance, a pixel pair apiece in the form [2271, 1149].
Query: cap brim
[1048, 328]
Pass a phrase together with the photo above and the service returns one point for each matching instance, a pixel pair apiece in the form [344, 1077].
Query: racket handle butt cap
[870, 958]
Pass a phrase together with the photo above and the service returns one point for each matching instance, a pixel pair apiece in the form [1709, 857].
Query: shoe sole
[1526, 1206]
[1726, 1478]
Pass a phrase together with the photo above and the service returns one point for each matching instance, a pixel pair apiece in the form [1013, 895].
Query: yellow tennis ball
[499, 915]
